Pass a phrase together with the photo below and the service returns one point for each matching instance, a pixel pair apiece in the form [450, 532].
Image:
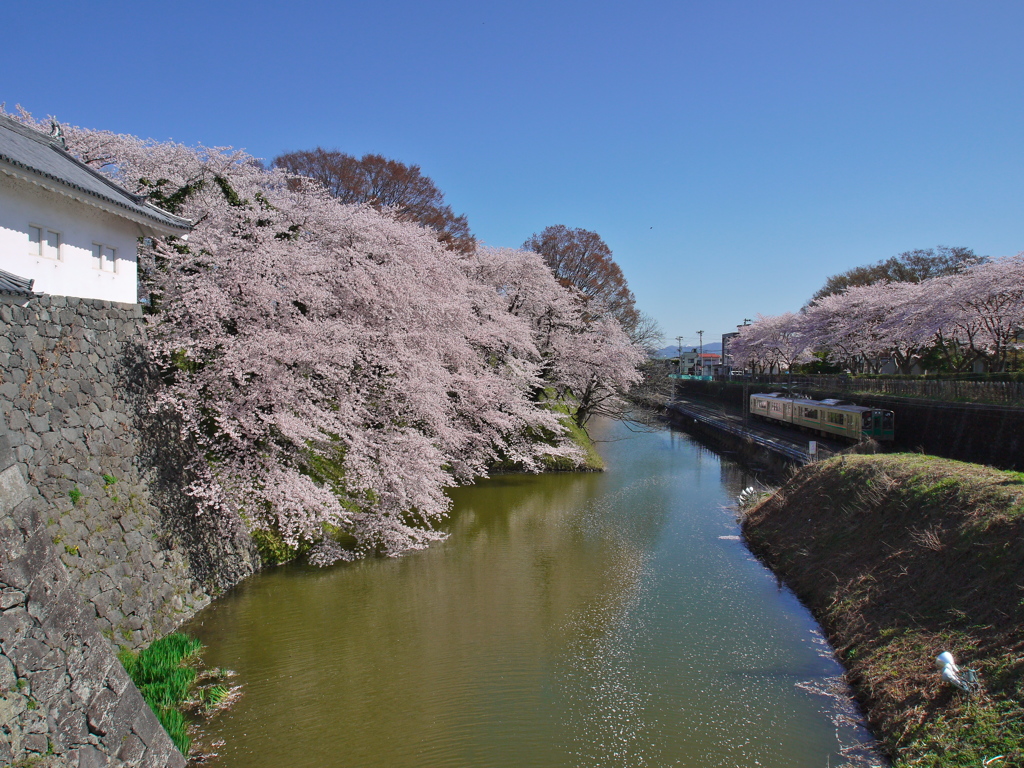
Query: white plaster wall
[80, 225]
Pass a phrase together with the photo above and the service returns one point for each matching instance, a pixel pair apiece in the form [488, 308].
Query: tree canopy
[580, 258]
[908, 267]
[971, 315]
[332, 367]
[384, 184]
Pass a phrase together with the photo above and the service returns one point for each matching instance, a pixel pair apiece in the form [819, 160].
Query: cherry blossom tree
[382, 183]
[771, 344]
[865, 325]
[335, 367]
[983, 308]
[587, 357]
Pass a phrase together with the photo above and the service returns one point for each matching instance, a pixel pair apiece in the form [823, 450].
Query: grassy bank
[566, 409]
[901, 557]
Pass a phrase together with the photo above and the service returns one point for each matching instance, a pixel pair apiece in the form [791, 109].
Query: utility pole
[700, 370]
[679, 352]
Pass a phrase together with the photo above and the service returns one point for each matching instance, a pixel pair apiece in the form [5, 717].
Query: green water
[609, 619]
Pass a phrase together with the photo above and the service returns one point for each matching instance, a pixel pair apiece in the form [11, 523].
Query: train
[837, 418]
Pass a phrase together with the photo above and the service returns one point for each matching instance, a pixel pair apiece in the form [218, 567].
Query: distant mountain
[710, 346]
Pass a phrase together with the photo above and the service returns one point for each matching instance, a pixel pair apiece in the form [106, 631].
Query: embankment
[901, 557]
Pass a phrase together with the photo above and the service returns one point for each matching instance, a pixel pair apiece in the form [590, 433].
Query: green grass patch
[592, 459]
[579, 435]
[163, 675]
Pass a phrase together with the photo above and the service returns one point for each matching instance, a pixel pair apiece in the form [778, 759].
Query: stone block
[17, 572]
[28, 657]
[132, 750]
[36, 742]
[8, 678]
[48, 683]
[69, 719]
[120, 721]
[13, 490]
[51, 579]
[14, 628]
[10, 597]
[100, 712]
[13, 541]
[104, 602]
[17, 421]
[92, 667]
[66, 615]
[148, 728]
[39, 424]
[89, 757]
[6, 452]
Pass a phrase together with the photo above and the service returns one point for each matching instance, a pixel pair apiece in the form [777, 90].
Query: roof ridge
[28, 131]
[97, 186]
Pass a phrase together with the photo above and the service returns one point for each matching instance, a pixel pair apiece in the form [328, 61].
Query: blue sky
[732, 153]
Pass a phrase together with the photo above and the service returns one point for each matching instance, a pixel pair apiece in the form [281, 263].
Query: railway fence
[1008, 391]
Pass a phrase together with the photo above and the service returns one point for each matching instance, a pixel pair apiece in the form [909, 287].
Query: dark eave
[35, 157]
[12, 285]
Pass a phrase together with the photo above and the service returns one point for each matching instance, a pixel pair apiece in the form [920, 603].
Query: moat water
[611, 619]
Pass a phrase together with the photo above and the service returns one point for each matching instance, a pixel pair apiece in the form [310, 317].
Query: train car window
[810, 413]
[836, 418]
[866, 420]
[887, 419]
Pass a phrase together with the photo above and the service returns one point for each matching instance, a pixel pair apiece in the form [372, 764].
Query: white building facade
[66, 227]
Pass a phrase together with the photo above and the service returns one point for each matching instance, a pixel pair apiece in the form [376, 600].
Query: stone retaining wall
[75, 417]
[65, 699]
[106, 475]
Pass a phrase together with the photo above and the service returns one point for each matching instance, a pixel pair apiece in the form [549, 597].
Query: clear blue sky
[732, 154]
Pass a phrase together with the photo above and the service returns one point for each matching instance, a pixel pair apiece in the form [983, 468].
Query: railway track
[790, 443]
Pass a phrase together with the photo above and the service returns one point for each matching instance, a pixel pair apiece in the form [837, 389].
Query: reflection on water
[607, 619]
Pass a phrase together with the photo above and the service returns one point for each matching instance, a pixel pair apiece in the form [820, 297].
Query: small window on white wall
[43, 241]
[104, 257]
[35, 241]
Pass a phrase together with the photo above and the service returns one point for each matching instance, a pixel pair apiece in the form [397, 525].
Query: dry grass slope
[901, 557]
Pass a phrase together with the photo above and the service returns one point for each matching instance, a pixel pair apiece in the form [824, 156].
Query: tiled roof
[42, 155]
[14, 285]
